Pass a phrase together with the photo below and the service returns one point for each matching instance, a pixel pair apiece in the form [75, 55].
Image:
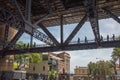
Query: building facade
[81, 73]
[59, 62]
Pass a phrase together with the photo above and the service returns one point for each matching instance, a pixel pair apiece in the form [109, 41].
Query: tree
[100, 70]
[91, 69]
[25, 59]
[53, 74]
[116, 54]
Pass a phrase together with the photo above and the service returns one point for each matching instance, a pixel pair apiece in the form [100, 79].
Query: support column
[61, 28]
[27, 17]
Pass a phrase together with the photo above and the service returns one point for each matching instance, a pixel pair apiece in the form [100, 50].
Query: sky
[83, 57]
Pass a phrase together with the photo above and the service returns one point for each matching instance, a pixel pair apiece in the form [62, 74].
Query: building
[63, 61]
[81, 73]
[6, 63]
[59, 62]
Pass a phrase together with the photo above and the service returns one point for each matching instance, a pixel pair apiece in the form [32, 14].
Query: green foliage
[35, 58]
[15, 66]
[52, 75]
[25, 59]
[100, 69]
[116, 53]
[115, 58]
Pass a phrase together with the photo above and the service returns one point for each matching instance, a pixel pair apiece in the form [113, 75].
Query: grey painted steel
[61, 29]
[49, 34]
[28, 17]
[29, 28]
[92, 45]
[16, 37]
[74, 32]
[6, 35]
[93, 18]
[108, 12]
[28, 10]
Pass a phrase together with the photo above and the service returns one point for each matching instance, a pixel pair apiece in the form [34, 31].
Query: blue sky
[83, 57]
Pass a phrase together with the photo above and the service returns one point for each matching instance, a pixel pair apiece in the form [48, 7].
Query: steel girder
[92, 45]
[6, 35]
[108, 12]
[49, 34]
[28, 17]
[61, 29]
[15, 38]
[29, 28]
[93, 18]
[74, 32]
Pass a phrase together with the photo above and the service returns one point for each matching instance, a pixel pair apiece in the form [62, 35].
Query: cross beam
[49, 34]
[108, 12]
[77, 28]
[92, 45]
[15, 38]
[29, 28]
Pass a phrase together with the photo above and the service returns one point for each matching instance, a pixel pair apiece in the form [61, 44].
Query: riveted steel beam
[84, 46]
[28, 10]
[49, 34]
[77, 28]
[15, 38]
[29, 28]
[92, 14]
[108, 12]
[28, 17]
[6, 35]
[61, 28]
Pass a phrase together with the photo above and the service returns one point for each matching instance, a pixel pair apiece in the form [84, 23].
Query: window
[45, 57]
[83, 71]
[43, 68]
[33, 68]
[50, 68]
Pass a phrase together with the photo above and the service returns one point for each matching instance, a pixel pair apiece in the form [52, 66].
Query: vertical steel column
[61, 28]
[27, 16]
[6, 35]
[92, 13]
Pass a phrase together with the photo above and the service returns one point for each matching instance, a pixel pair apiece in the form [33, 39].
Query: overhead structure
[29, 15]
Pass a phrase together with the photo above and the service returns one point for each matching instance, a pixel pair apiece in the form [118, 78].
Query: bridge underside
[29, 15]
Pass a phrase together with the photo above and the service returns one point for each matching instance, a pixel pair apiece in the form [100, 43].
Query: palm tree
[116, 55]
[113, 64]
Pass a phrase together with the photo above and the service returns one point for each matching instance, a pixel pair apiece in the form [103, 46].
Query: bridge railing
[93, 40]
[72, 42]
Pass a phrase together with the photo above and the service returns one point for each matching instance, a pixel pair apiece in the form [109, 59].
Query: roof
[78, 67]
[72, 10]
[55, 56]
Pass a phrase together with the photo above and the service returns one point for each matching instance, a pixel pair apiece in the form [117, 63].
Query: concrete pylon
[6, 63]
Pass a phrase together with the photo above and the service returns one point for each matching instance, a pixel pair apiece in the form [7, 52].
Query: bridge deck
[71, 47]
[72, 10]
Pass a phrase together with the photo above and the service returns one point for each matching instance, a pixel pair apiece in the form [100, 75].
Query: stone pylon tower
[6, 63]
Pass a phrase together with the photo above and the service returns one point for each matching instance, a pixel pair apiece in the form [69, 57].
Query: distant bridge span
[28, 15]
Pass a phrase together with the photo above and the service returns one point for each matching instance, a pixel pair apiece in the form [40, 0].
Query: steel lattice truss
[28, 15]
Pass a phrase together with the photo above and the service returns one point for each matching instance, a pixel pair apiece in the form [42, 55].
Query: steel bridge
[29, 15]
